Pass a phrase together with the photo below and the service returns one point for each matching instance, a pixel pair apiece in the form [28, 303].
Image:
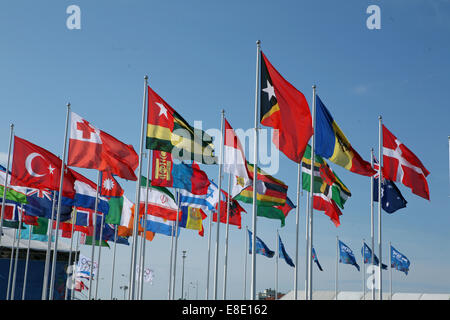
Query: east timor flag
[168, 131]
[285, 108]
[331, 143]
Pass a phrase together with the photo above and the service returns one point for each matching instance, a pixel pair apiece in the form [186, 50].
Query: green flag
[115, 210]
[326, 182]
[276, 212]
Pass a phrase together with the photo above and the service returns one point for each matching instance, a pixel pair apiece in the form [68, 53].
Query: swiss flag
[110, 186]
[92, 148]
[400, 164]
[38, 168]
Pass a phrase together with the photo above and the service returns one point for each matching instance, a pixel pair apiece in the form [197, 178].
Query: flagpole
[144, 237]
[72, 292]
[337, 266]
[70, 252]
[49, 245]
[307, 261]
[245, 263]
[209, 251]
[138, 186]
[226, 241]
[390, 270]
[17, 254]
[311, 199]
[58, 212]
[176, 246]
[11, 261]
[99, 254]
[2, 214]
[216, 265]
[255, 173]
[364, 269]
[171, 265]
[113, 263]
[372, 225]
[297, 222]
[276, 266]
[94, 235]
[25, 276]
[380, 178]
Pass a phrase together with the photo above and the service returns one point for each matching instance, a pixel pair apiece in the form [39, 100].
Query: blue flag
[261, 247]
[346, 255]
[399, 261]
[316, 260]
[366, 252]
[40, 203]
[391, 198]
[283, 254]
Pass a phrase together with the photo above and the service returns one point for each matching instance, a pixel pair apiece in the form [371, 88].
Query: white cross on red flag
[400, 164]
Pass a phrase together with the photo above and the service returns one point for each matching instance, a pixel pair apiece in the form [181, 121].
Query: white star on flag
[51, 169]
[163, 110]
[108, 184]
[269, 90]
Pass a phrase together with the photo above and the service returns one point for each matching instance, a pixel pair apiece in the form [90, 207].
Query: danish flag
[400, 164]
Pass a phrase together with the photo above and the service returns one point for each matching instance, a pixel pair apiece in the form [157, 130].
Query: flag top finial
[314, 86]
[146, 77]
[12, 127]
[380, 117]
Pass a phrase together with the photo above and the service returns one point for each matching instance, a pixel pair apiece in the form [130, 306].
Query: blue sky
[200, 57]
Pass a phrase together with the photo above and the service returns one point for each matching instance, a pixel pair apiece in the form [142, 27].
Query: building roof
[8, 238]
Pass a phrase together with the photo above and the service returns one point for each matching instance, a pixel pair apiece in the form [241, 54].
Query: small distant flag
[346, 255]
[283, 254]
[399, 261]
[316, 260]
[261, 247]
[367, 254]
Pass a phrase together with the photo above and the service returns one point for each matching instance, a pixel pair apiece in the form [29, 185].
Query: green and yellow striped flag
[168, 131]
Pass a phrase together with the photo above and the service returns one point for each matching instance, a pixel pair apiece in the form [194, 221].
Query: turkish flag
[401, 164]
[92, 148]
[35, 167]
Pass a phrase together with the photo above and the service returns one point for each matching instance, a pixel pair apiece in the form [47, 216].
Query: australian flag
[366, 252]
[261, 247]
[391, 198]
[283, 254]
[40, 203]
[399, 261]
[346, 255]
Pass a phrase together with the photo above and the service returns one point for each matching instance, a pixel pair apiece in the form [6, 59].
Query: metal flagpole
[99, 254]
[25, 276]
[49, 245]
[209, 254]
[276, 265]
[311, 199]
[364, 270]
[176, 246]
[71, 247]
[113, 263]
[337, 266]
[255, 173]
[226, 241]
[144, 237]
[372, 226]
[94, 222]
[245, 262]
[72, 292]
[216, 264]
[390, 271]
[132, 281]
[11, 261]
[297, 223]
[11, 133]
[380, 178]
[171, 264]
[16, 262]
[58, 212]
[307, 261]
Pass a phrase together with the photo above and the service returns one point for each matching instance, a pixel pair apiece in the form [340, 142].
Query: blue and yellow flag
[192, 218]
[331, 143]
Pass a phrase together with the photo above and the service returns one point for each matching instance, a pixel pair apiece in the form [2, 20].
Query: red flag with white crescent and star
[110, 186]
[35, 167]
